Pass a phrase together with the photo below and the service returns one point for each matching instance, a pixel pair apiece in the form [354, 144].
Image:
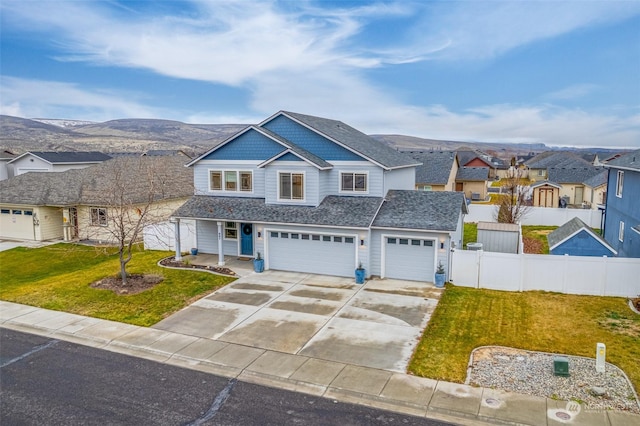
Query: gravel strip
[531, 373]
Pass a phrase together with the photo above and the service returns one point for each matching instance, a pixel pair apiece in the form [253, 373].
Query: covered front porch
[242, 266]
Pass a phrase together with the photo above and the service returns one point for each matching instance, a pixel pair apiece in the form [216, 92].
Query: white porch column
[176, 224]
[220, 251]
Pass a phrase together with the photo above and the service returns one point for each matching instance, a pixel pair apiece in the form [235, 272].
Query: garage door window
[391, 240]
[28, 213]
[5, 211]
[404, 241]
[428, 243]
[18, 212]
[348, 240]
[337, 239]
[284, 235]
[295, 236]
[274, 235]
[415, 242]
[326, 238]
[315, 237]
[305, 236]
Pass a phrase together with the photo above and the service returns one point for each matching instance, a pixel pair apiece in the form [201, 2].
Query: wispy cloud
[51, 99]
[574, 91]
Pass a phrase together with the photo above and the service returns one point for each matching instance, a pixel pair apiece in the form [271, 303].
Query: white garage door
[313, 253]
[409, 259]
[16, 223]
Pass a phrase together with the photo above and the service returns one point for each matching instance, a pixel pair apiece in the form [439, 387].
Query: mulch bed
[171, 262]
[136, 283]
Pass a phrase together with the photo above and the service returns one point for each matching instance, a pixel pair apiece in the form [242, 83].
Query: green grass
[467, 318]
[58, 277]
[470, 233]
[539, 234]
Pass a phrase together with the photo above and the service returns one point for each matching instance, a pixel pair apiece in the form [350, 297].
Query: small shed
[575, 238]
[499, 237]
[546, 194]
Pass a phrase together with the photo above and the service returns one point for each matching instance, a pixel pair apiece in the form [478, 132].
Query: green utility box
[561, 366]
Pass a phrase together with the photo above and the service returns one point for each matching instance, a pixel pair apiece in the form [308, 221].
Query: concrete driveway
[377, 324]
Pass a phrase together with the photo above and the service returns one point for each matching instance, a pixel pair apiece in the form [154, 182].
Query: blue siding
[582, 244]
[625, 209]
[310, 140]
[289, 157]
[248, 146]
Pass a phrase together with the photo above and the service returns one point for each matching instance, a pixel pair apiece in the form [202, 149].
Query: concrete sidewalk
[452, 402]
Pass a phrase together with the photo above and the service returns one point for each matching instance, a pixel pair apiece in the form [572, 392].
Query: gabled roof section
[220, 145]
[438, 210]
[545, 182]
[597, 180]
[472, 174]
[332, 211]
[549, 159]
[351, 139]
[294, 149]
[67, 157]
[571, 228]
[436, 166]
[630, 161]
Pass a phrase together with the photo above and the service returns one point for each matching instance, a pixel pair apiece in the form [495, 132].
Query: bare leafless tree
[126, 194]
[513, 203]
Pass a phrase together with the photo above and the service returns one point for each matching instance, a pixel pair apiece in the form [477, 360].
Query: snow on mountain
[63, 123]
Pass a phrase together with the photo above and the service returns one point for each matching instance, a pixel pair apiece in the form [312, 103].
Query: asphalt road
[50, 382]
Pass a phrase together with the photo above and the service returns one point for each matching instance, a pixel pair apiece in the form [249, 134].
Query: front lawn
[467, 318]
[58, 277]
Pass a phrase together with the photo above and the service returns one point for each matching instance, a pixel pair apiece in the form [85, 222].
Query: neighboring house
[79, 203]
[55, 161]
[622, 214]
[473, 182]
[438, 170]
[473, 158]
[499, 237]
[575, 238]
[573, 189]
[6, 170]
[539, 165]
[595, 190]
[315, 195]
[545, 194]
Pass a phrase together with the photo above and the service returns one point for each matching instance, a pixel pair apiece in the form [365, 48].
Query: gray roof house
[79, 203]
[437, 171]
[37, 161]
[473, 181]
[314, 195]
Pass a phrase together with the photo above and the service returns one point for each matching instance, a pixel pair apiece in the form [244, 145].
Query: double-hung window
[230, 181]
[621, 232]
[230, 230]
[291, 186]
[619, 183]
[353, 182]
[98, 216]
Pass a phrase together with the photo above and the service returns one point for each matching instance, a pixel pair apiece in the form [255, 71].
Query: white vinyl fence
[537, 215]
[161, 236]
[600, 276]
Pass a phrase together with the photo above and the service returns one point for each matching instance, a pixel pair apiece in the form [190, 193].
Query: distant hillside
[19, 135]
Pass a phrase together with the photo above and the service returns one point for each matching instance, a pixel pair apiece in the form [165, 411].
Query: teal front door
[246, 239]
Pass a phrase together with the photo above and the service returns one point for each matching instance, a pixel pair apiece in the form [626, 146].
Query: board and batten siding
[201, 178]
[404, 178]
[311, 182]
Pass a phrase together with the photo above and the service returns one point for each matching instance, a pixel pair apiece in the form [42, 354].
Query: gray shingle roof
[597, 180]
[352, 212]
[573, 226]
[472, 174]
[356, 140]
[436, 166]
[428, 210]
[71, 157]
[573, 174]
[97, 184]
[556, 159]
[627, 161]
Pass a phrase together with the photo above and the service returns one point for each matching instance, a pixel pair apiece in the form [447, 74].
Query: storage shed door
[313, 253]
[409, 259]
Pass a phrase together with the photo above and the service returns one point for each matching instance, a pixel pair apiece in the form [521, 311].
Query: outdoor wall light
[361, 242]
[441, 244]
[259, 234]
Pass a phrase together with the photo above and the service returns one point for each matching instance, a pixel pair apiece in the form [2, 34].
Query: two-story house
[622, 214]
[315, 195]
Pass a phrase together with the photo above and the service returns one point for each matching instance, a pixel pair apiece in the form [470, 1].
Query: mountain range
[19, 135]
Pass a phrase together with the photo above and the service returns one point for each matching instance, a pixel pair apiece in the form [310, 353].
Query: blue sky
[561, 73]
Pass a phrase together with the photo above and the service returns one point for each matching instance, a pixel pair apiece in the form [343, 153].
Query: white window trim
[224, 231]
[621, 232]
[238, 182]
[354, 173]
[106, 217]
[304, 186]
[619, 183]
